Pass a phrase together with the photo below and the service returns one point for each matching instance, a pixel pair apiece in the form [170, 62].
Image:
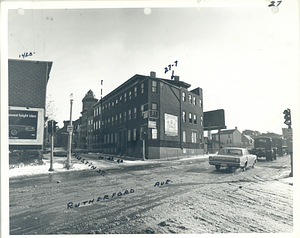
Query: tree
[50, 109]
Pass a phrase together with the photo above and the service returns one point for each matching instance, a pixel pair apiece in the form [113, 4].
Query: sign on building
[26, 126]
[171, 125]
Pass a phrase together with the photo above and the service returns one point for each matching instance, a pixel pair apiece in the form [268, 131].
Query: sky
[245, 59]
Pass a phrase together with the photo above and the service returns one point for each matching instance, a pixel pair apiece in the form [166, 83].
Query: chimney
[152, 74]
[176, 78]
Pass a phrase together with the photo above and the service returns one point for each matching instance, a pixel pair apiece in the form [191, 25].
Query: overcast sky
[245, 59]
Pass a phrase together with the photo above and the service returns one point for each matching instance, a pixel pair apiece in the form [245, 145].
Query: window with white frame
[183, 96]
[129, 135]
[194, 137]
[135, 91]
[154, 86]
[134, 134]
[142, 88]
[183, 136]
[183, 116]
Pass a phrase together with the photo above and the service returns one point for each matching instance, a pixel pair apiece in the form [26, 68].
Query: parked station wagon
[233, 158]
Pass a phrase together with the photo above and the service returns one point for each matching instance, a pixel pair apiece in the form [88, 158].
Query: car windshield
[230, 152]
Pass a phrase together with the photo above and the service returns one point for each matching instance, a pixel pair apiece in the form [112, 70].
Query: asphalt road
[191, 198]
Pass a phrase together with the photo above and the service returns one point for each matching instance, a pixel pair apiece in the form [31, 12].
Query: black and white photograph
[150, 118]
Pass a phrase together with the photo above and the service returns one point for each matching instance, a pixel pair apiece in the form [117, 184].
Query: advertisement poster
[23, 124]
[171, 125]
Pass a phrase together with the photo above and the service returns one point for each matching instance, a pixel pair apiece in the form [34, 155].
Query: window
[104, 139]
[129, 133]
[112, 104]
[109, 106]
[183, 96]
[154, 106]
[190, 98]
[154, 86]
[116, 137]
[141, 133]
[183, 116]
[195, 119]
[183, 136]
[112, 121]
[129, 114]
[134, 113]
[142, 88]
[117, 101]
[200, 103]
[108, 139]
[129, 95]
[116, 119]
[135, 91]
[124, 116]
[190, 117]
[194, 100]
[134, 134]
[120, 116]
[120, 98]
[112, 138]
[125, 97]
[108, 120]
[201, 122]
[194, 137]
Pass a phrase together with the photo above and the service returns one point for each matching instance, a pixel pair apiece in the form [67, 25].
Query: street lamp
[70, 130]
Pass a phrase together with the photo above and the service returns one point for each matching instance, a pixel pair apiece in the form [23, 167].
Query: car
[16, 130]
[61, 152]
[233, 158]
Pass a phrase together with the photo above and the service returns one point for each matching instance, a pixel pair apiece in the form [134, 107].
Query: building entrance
[121, 141]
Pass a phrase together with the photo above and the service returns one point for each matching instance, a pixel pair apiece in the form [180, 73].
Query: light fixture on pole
[70, 130]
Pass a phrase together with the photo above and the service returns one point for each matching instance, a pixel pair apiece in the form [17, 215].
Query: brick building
[154, 117]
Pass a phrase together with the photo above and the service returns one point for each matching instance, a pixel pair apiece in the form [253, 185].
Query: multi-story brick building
[151, 117]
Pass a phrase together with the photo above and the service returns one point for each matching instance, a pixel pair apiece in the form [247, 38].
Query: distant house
[247, 141]
[229, 138]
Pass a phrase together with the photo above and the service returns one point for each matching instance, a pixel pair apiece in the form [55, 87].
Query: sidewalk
[58, 164]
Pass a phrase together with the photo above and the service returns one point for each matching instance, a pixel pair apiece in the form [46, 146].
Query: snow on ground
[58, 165]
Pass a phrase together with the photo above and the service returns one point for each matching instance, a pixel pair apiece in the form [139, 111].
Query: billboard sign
[171, 125]
[26, 126]
[214, 120]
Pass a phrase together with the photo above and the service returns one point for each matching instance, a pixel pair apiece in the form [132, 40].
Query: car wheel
[14, 132]
[231, 169]
[253, 164]
[244, 168]
[217, 167]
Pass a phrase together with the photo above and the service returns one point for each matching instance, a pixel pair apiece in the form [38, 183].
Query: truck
[265, 147]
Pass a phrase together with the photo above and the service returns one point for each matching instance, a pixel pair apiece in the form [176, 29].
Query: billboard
[171, 125]
[214, 120]
[26, 126]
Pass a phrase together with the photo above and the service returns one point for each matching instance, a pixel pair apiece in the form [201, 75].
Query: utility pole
[51, 129]
[289, 134]
[70, 130]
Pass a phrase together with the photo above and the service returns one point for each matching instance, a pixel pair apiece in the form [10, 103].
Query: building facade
[149, 117]
[229, 138]
[27, 81]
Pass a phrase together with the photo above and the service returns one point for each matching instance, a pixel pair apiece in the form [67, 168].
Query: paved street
[191, 198]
